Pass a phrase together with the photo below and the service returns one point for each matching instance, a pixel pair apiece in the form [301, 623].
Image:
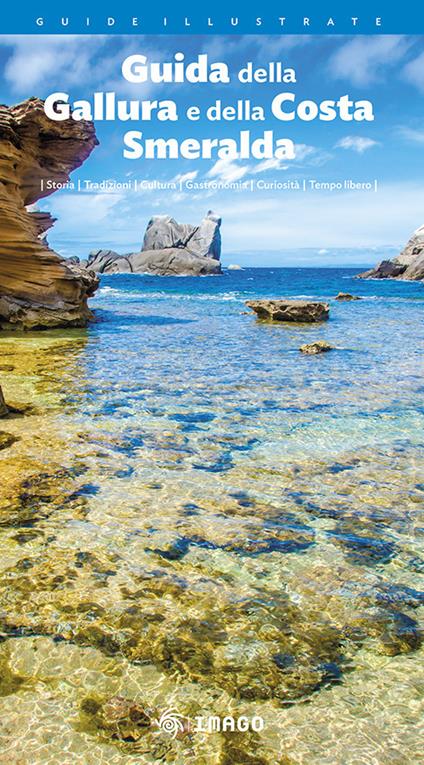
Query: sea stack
[168, 249]
[38, 288]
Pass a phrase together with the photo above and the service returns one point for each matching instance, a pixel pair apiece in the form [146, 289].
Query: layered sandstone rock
[169, 249]
[37, 287]
[289, 310]
[408, 265]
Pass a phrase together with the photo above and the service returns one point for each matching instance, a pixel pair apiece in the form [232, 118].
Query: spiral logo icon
[171, 722]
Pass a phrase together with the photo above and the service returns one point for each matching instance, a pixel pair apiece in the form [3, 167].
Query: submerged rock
[10, 682]
[37, 496]
[290, 310]
[408, 265]
[347, 296]
[121, 718]
[169, 249]
[38, 288]
[3, 408]
[394, 631]
[363, 544]
[320, 346]
[7, 439]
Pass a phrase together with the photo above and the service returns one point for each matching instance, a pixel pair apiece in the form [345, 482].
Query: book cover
[211, 336]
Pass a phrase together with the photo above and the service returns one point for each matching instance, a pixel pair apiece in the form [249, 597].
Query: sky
[263, 227]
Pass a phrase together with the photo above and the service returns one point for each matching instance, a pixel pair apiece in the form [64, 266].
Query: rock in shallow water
[7, 439]
[320, 346]
[121, 718]
[394, 631]
[347, 296]
[290, 310]
[3, 408]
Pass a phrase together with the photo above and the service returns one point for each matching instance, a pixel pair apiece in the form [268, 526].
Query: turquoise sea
[199, 518]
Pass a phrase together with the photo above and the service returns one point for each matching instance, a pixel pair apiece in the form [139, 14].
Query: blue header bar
[221, 17]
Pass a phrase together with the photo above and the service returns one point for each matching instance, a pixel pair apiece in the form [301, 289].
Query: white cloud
[412, 134]
[269, 164]
[183, 177]
[222, 47]
[251, 221]
[310, 155]
[273, 45]
[228, 171]
[302, 151]
[322, 219]
[364, 60]
[34, 62]
[413, 72]
[36, 65]
[357, 143]
[87, 209]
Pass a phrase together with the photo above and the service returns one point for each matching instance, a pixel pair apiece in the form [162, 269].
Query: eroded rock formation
[289, 310]
[319, 346]
[169, 249]
[37, 287]
[408, 265]
[346, 297]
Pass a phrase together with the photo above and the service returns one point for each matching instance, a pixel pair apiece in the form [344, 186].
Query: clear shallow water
[197, 516]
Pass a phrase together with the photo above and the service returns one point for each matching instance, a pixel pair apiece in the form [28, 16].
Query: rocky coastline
[409, 265]
[38, 288]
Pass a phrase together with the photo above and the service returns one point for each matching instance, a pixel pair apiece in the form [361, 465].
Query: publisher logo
[171, 722]
[175, 724]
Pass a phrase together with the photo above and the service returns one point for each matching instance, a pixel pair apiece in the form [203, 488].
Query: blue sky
[264, 227]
